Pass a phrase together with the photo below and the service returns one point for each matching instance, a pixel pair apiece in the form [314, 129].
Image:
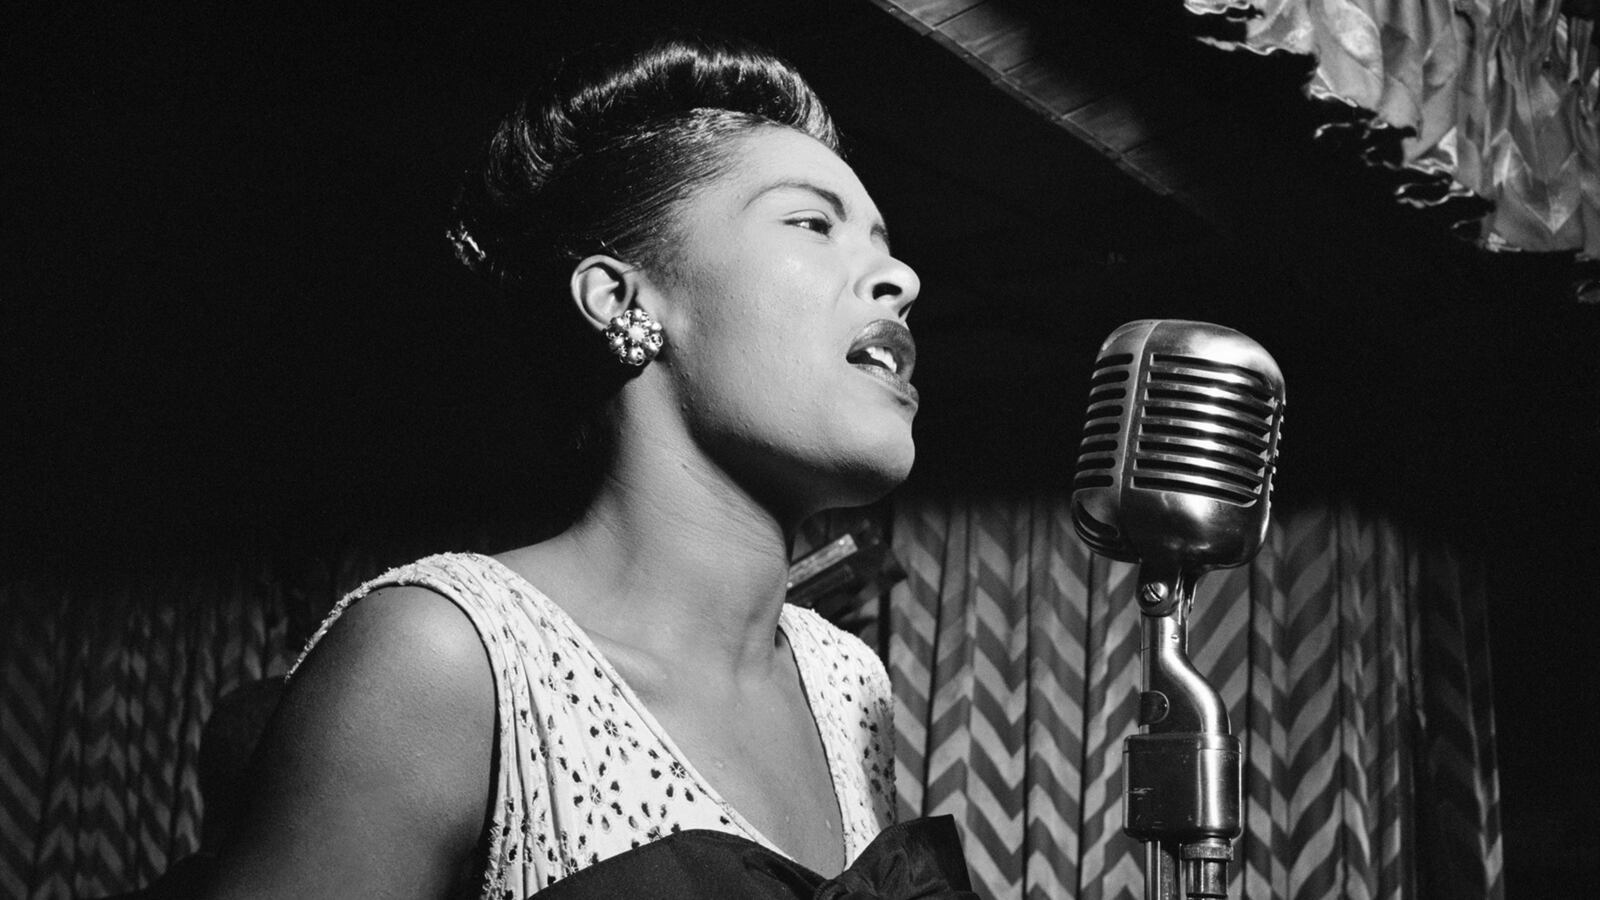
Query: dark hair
[595, 160]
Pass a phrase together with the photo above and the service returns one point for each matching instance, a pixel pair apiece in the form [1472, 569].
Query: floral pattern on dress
[585, 772]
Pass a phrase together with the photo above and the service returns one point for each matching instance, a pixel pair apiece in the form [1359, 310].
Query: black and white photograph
[842, 449]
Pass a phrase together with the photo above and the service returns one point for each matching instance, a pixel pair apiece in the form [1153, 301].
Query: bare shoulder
[403, 634]
[375, 770]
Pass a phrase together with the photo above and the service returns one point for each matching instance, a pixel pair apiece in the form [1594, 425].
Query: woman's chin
[870, 478]
[832, 471]
[898, 468]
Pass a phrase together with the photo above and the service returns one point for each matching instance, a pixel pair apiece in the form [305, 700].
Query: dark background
[231, 322]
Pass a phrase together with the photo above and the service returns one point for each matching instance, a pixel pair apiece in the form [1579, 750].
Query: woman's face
[784, 314]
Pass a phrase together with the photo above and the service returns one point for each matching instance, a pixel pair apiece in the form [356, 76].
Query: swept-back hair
[596, 160]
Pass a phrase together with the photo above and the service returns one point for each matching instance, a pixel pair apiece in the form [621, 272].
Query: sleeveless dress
[584, 772]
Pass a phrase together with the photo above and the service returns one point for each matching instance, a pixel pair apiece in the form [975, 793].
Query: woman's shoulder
[449, 574]
[382, 740]
[403, 642]
[482, 591]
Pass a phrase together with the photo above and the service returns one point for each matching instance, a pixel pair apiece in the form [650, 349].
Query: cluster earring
[634, 337]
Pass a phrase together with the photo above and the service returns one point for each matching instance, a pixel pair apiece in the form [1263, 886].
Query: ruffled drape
[1352, 657]
[1501, 95]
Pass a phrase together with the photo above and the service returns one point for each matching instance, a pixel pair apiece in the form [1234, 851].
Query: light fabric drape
[1352, 657]
[1502, 95]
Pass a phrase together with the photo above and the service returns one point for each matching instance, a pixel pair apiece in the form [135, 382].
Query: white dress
[584, 772]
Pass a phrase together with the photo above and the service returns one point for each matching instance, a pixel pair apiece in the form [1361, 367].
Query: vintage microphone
[1175, 474]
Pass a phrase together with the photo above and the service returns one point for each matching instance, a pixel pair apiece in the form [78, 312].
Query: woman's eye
[819, 224]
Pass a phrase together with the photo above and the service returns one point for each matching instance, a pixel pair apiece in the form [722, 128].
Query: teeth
[883, 357]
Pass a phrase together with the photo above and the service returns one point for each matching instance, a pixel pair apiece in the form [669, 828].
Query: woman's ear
[603, 287]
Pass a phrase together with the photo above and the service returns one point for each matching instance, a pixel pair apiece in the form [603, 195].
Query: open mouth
[883, 357]
[886, 351]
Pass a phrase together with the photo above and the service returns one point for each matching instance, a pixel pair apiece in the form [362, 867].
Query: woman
[478, 726]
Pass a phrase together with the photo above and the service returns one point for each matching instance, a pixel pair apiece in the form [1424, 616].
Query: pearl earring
[634, 337]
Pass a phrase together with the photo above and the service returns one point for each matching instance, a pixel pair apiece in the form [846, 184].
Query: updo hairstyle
[596, 160]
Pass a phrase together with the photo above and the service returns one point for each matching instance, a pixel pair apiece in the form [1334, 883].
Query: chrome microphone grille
[1205, 428]
[1102, 426]
[1180, 442]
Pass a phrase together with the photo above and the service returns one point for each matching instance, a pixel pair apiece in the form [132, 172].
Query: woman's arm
[373, 778]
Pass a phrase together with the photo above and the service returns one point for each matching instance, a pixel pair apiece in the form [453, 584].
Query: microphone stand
[1175, 472]
[1182, 777]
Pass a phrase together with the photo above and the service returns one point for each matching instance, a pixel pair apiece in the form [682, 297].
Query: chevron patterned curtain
[1352, 656]
[103, 692]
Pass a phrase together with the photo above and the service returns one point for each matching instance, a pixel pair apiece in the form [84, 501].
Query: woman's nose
[892, 281]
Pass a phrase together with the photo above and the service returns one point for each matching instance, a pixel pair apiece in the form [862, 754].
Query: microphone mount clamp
[1182, 777]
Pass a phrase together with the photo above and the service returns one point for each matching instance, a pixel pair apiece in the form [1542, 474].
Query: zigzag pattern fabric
[1352, 656]
[1353, 659]
[104, 694]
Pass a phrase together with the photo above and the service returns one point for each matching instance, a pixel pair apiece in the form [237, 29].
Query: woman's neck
[674, 561]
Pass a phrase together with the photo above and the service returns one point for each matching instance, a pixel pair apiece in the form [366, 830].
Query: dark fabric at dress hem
[916, 860]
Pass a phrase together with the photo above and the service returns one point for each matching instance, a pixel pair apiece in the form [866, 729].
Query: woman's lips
[886, 351]
[901, 386]
[885, 342]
